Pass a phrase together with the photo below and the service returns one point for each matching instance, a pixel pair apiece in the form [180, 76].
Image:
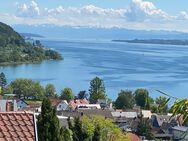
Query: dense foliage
[142, 98]
[27, 89]
[125, 100]
[3, 82]
[97, 90]
[14, 49]
[82, 95]
[96, 128]
[162, 108]
[50, 91]
[67, 94]
[48, 125]
[144, 128]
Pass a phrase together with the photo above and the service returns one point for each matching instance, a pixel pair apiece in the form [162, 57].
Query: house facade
[61, 106]
[21, 104]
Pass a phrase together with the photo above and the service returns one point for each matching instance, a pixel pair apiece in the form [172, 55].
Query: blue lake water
[120, 65]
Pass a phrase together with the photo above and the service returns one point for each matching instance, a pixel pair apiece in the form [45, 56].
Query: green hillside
[14, 49]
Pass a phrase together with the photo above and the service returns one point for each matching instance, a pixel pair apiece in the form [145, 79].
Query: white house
[21, 104]
[61, 106]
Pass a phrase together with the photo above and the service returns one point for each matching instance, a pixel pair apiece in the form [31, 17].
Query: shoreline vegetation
[156, 41]
[4, 64]
[15, 50]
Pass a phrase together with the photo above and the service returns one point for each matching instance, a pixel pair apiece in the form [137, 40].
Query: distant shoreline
[5, 64]
[156, 41]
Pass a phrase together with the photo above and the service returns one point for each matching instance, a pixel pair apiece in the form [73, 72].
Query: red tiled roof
[17, 126]
[133, 137]
[55, 102]
[75, 103]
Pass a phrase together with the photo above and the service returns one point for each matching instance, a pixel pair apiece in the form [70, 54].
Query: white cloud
[140, 14]
[182, 16]
[31, 10]
[145, 11]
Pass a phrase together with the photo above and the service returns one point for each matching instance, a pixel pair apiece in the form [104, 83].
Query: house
[18, 126]
[104, 103]
[21, 104]
[162, 126]
[180, 133]
[59, 104]
[8, 105]
[124, 118]
[73, 104]
[162, 120]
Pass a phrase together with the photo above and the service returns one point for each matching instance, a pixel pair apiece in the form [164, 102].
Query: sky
[131, 14]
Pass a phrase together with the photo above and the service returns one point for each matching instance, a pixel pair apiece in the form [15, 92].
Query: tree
[179, 110]
[144, 128]
[95, 128]
[125, 100]
[3, 81]
[36, 91]
[67, 94]
[78, 133]
[66, 134]
[27, 88]
[162, 108]
[142, 98]
[8, 90]
[97, 134]
[50, 90]
[48, 124]
[82, 95]
[97, 90]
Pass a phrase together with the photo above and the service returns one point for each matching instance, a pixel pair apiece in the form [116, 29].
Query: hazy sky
[133, 14]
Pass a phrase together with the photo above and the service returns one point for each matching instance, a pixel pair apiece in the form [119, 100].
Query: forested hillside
[14, 49]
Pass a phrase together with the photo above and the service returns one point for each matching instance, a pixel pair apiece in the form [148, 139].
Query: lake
[120, 65]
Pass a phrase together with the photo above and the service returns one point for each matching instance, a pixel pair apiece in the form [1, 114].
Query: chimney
[75, 101]
[9, 106]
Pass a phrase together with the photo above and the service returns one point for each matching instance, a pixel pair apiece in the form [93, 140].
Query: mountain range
[68, 32]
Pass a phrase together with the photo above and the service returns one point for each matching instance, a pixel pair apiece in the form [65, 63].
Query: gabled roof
[19, 126]
[124, 114]
[55, 102]
[180, 128]
[18, 100]
[165, 119]
[76, 102]
[88, 112]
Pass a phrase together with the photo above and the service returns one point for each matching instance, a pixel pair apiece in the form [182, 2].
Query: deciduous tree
[97, 90]
[67, 94]
[125, 100]
[50, 90]
[142, 98]
[162, 108]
